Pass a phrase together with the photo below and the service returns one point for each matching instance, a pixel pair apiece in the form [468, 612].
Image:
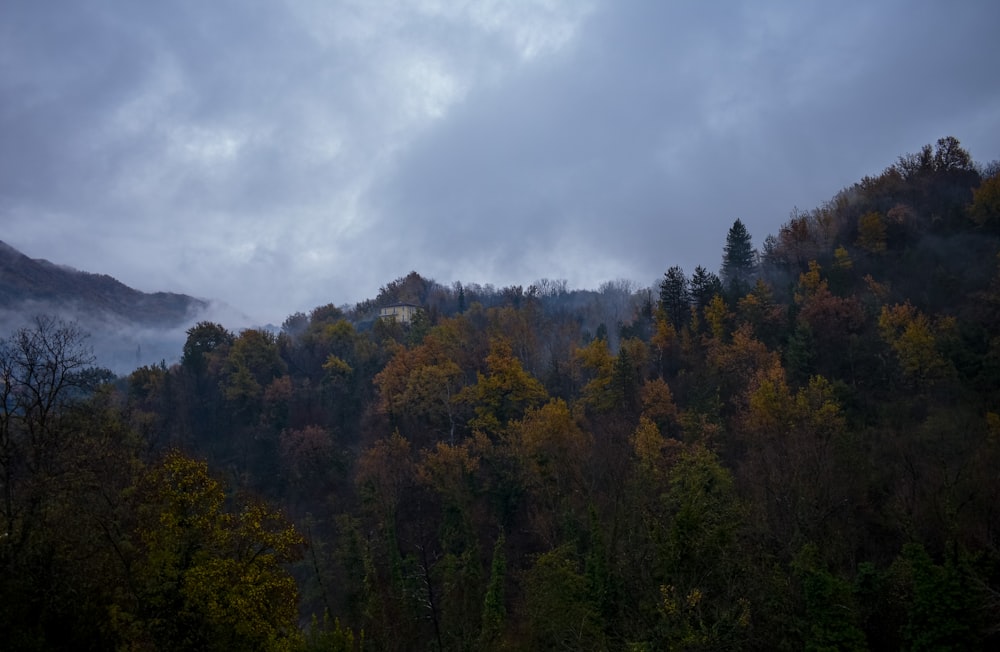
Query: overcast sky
[279, 155]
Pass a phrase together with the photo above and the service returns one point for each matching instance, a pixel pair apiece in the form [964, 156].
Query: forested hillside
[25, 280]
[126, 327]
[798, 451]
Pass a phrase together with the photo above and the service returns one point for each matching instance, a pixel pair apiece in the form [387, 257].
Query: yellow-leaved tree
[200, 576]
[504, 392]
[914, 339]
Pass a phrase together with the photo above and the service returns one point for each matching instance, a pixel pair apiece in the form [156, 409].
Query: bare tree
[42, 368]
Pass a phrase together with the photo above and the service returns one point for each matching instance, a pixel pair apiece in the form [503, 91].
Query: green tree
[626, 377]
[202, 339]
[704, 286]
[739, 258]
[683, 569]
[945, 605]
[558, 607]
[675, 296]
[329, 636]
[450, 473]
[494, 602]
[831, 620]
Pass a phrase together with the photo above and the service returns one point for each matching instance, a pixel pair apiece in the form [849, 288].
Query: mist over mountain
[27, 279]
[127, 327]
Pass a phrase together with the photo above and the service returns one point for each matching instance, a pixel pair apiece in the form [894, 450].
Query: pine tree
[704, 285]
[739, 260]
[675, 298]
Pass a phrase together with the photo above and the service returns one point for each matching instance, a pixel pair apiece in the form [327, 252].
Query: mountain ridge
[25, 280]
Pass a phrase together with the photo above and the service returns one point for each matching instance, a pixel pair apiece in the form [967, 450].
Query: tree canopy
[797, 453]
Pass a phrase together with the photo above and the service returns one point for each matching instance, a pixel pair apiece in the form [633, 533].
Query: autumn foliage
[800, 452]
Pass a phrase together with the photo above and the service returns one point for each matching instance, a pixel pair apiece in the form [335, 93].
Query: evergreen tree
[739, 260]
[494, 607]
[704, 285]
[675, 297]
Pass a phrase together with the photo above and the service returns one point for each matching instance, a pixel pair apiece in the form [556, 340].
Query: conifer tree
[494, 608]
[704, 285]
[675, 297]
[739, 260]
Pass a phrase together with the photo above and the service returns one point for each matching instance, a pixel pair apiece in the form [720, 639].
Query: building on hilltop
[401, 312]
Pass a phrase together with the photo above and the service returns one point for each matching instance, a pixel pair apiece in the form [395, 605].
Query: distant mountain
[30, 281]
[127, 328]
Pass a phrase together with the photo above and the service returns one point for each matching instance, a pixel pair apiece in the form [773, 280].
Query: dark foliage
[801, 454]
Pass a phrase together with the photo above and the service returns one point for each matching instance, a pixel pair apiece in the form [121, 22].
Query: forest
[798, 451]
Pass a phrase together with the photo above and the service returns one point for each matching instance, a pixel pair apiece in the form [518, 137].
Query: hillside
[127, 328]
[798, 452]
[25, 280]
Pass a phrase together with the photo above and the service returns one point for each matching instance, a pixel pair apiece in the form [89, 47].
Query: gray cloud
[282, 155]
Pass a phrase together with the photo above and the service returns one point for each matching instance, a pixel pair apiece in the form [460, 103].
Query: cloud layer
[279, 156]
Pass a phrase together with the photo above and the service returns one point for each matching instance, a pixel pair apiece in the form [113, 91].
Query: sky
[284, 154]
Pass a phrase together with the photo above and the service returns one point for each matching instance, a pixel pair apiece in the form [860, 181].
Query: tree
[801, 465]
[704, 285]
[626, 375]
[504, 392]
[385, 473]
[910, 166]
[42, 370]
[202, 339]
[675, 297]
[658, 404]
[717, 317]
[598, 364]
[682, 563]
[494, 604]
[295, 324]
[759, 309]
[831, 618]
[419, 387]
[250, 366]
[949, 155]
[558, 606]
[307, 456]
[739, 259]
[411, 288]
[665, 343]
[832, 323]
[985, 207]
[551, 450]
[871, 232]
[63, 450]
[912, 337]
[944, 607]
[204, 578]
